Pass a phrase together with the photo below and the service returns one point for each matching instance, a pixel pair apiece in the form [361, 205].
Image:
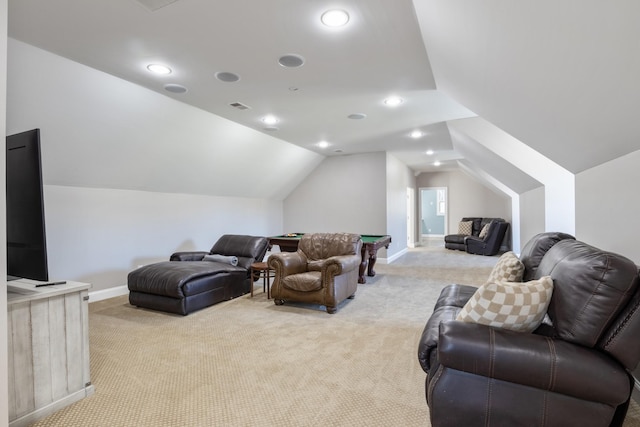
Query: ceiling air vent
[239, 106]
[153, 5]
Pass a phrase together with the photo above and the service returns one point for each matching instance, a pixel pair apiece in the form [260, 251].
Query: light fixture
[416, 134]
[227, 77]
[323, 144]
[335, 18]
[159, 69]
[393, 101]
[270, 120]
[291, 60]
[175, 88]
[429, 153]
[357, 116]
[436, 163]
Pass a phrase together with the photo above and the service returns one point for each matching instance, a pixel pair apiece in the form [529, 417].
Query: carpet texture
[247, 362]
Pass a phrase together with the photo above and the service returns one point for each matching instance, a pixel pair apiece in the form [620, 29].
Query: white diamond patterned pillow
[465, 227]
[484, 231]
[518, 307]
[508, 269]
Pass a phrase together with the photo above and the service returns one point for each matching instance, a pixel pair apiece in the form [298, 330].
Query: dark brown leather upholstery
[324, 270]
[573, 373]
[186, 283]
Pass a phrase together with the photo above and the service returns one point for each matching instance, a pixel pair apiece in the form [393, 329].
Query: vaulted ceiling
[559, 76]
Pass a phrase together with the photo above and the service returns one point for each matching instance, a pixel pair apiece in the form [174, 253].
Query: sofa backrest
[534, 250]
[595, 299]
[318, 246]
[248, 249]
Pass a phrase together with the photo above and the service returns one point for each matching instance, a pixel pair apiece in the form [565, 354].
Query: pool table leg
[363, 265]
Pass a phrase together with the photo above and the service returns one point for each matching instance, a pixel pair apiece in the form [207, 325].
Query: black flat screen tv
[26, 236]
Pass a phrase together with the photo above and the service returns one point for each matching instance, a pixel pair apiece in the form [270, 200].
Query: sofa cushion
[514, 306]
[534, 250]
[320, 246]
[591, 288]
[303, 282]
[484, 231]
[465, 227]
[508, 269]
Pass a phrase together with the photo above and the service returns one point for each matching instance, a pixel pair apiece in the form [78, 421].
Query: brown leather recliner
[324, 270]
[575, 372]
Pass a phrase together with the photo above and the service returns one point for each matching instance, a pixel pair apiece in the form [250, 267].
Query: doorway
[433, 212]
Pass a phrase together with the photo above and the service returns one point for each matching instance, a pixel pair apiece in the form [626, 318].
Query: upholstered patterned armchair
[324, 270]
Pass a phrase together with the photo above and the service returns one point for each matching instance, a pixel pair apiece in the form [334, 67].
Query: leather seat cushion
[303, 282]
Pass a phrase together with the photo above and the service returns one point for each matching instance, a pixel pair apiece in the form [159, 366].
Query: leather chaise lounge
[572, 370]
[190, 281]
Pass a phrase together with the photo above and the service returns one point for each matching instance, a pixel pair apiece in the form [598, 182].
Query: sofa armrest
[532, 360]
[341, 264]
[188, 256]
[287, 263]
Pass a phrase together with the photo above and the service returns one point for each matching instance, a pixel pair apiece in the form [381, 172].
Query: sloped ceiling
[560, 76]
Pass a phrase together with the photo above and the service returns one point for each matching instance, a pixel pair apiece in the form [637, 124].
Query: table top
[26, 290]
[366, 238]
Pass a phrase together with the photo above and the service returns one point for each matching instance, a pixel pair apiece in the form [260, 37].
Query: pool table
[370, 245]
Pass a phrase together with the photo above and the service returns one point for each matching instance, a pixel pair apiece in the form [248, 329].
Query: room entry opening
[433, 211]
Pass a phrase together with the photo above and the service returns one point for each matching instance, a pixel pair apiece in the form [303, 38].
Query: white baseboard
[108, 293]
[394, 256]
[124, 290]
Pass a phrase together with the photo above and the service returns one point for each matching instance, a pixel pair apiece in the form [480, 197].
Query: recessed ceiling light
[323, 144]
[429, 153]
[393, 101]
[227, 77]
[357, 116]
[436, 163]
[270, 120]
[291, 61]
[416, 134]
[174, 88]
[335, 18]
[159, 69]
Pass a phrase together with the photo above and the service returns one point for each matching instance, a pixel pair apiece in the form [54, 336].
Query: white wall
[99, 235]
[343, 194]
[531, 215]
[466, 197]
[399, 178]
[607, 206]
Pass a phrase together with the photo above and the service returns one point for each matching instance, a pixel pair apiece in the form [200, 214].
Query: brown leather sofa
[575, 372]
[324, 270]
[193, 280]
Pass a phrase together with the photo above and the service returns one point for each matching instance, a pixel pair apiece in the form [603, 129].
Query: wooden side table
[262, 270]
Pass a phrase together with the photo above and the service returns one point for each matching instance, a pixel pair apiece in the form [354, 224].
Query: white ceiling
[559, 76]
[349, 70]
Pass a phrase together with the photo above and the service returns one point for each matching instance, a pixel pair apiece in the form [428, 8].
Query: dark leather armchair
[574, 372]
[324, 270]
[490, 244]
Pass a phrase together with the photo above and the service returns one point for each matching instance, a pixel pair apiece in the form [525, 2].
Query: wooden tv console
[48, 348]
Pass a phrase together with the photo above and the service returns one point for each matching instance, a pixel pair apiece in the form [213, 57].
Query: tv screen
[26, 237]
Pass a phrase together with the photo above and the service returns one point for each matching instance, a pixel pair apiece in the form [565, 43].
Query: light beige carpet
[247, 362]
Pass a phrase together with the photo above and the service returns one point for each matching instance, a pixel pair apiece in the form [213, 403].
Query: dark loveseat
[190, 281]
[573, 370]
[497, 236]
